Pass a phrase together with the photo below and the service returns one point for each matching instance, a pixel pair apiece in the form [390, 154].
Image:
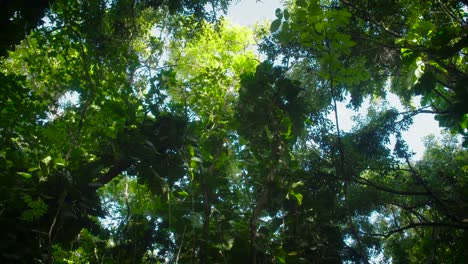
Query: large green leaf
[275, 25]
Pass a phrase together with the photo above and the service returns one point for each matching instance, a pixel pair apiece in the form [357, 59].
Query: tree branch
[372, 19]
[390, 190]
[423, 183]
[420, 224]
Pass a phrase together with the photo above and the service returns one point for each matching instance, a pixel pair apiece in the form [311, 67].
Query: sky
[247, 12]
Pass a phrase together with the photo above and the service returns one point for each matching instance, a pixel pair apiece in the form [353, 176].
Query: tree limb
[390, 190]
[420, 224]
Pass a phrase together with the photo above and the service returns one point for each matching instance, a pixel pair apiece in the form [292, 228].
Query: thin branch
[127, 218]
[395, 222]
[89, 100]
[364, 181]
[342, 171]
[422, 110]
[372, 19]
[412, 210]
[422, 182]
[450, 13]
[54, 222]
[181, 244]
[420, 224]
[116, 169]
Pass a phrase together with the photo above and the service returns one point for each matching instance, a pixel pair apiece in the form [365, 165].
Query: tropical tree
[151, 132]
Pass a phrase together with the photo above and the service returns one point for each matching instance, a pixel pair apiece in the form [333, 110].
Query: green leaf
[197, 159]
[301, 3]
[24, 175]
[315, 10]
[286, 14]
[46, 160]
[298, 197]
[319, 27]
[191, 151]
[297, 184]
[275, 25]
[425, 83]
[37, 209]
[33, 169]
[279, 13]
[280, 259]
[287, 124]
[44, 168]
[182, 193]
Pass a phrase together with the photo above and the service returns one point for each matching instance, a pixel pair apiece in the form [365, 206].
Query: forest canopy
[154, 132]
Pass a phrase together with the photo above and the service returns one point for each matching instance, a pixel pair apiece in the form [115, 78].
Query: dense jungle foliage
[151, 131]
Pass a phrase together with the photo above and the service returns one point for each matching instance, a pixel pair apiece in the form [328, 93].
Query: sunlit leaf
[24, 175]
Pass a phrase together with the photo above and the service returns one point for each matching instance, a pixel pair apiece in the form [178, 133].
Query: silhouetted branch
[421, 224]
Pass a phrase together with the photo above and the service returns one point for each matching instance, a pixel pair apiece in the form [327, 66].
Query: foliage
[150, 132]
[425, 50]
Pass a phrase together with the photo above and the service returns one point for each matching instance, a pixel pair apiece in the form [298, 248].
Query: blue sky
[247, 12]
